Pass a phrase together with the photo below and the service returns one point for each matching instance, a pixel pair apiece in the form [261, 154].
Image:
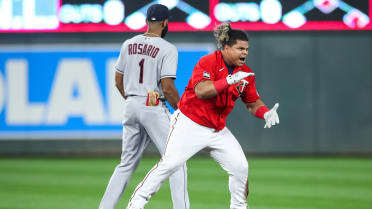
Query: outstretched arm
[259, 109]
[253, 107]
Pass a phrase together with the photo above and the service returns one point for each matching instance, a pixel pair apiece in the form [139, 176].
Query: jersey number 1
[141, 63]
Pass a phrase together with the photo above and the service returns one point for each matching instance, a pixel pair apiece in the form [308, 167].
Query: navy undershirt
[230, 68]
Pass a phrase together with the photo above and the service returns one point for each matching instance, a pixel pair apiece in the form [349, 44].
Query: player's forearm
[119, 83]
[121, 90]
[170, 92]
[254, 106]
[120, 87]
[205, 90]
[172, 96]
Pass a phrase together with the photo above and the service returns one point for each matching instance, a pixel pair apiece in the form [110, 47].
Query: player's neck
[226, 59]
[151, 34]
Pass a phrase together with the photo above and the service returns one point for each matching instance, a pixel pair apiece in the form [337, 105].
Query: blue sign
[67, 94]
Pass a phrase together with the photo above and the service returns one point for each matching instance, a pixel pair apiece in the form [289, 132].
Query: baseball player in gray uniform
[145, 73]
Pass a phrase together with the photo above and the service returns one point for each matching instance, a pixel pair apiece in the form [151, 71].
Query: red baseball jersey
[213, 112]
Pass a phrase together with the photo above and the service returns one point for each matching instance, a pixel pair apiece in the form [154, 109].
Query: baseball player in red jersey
[217, 81]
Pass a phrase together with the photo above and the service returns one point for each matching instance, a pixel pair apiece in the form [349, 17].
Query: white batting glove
[237, 77]
[271, 117]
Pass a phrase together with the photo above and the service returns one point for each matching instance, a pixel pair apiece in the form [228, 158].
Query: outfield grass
[283, 183]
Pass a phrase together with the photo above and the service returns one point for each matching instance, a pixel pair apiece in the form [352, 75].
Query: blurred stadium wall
[322, 80]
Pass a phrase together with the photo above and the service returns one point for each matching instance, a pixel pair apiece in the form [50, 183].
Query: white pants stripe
[186, 138]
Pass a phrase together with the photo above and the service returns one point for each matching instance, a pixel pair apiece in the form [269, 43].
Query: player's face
[237, 53]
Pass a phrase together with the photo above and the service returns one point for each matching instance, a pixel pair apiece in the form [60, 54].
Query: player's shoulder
[209, 58]
[246, 68]
[129, 40]
[166, 44]
[133, 39]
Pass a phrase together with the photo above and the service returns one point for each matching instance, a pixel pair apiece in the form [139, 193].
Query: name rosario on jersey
[148, 50]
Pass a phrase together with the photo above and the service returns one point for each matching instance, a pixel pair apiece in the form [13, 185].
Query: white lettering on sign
[2, 92]
[75, 75]
[75, 92]
[19, 110]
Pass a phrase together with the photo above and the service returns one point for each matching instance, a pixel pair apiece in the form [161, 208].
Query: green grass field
[282, 183]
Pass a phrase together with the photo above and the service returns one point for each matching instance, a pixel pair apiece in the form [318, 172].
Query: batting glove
[271, 117]
[237, 77]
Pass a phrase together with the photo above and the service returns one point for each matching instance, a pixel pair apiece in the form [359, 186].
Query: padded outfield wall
[57, 95]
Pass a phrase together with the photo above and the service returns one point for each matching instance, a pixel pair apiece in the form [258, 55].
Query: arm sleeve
[202, 71]
[250, 93]
[120, 62]
[169, 65]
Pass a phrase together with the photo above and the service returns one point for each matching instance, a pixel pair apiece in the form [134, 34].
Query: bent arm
[208, 89]
[205, 90]
[170, 92]
[119, 83]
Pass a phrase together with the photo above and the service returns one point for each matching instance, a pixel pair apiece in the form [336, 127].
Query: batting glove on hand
[271, 117]
[237, 77]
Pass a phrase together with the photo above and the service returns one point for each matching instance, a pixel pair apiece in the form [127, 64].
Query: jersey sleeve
[203, 70]
[120, 62]
[250, 93]
[169, 64]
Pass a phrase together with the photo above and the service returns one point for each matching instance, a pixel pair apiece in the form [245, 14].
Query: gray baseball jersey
[144, 61]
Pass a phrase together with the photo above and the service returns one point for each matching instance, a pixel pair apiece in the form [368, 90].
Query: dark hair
[225, 35]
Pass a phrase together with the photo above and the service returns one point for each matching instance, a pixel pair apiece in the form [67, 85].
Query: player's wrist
[220, 85]
[260, 112]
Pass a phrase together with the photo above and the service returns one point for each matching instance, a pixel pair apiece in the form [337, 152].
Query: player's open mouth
[242, 59]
